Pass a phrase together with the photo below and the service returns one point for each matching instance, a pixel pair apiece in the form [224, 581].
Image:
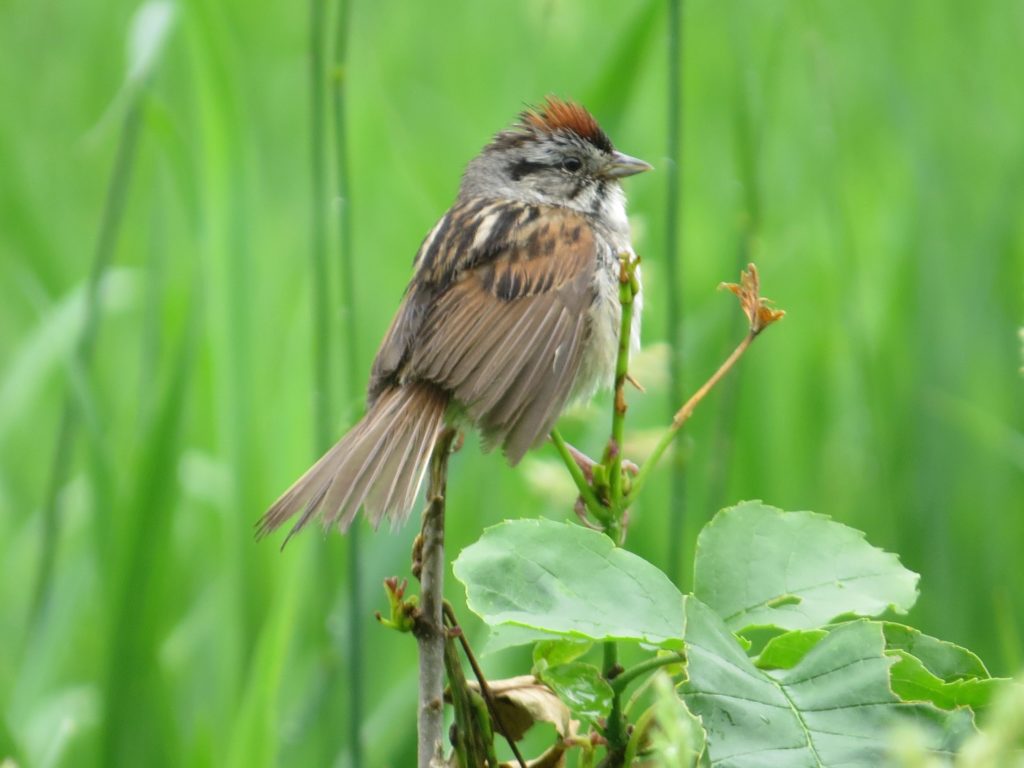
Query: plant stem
[613, 510]
[586, 491]
[606, 502]
[636, 737]
[611, 658]
[684, 413]
[356, 610]
[430, 634]
[474, 744]
[343, 195]
[673, 269]
[106, 243]
[318, 232]
[622, 681]
[485, 690]
[628, 288]
[614, 731]
[323, 419]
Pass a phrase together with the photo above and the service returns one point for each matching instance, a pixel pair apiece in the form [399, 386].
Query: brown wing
[506, 336]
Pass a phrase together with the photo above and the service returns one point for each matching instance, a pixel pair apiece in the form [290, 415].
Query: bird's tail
[379, 465]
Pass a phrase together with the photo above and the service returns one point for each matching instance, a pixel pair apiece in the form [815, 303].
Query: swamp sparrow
[512, 312]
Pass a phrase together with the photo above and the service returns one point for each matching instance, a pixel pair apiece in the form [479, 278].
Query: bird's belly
[597, 368]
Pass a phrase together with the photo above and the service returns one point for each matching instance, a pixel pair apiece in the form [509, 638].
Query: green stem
[577, 474]
[487, 731]
[106, 243]
[683, 415]
[628, 288]
[637, 736]
[320, 319]
[485, 691]
[471, 718]
[343, 196]
[318, 232]
[356, 609]
[614, 731]
[611, 657]
[637, 695]
[673, 268]
[622, 681]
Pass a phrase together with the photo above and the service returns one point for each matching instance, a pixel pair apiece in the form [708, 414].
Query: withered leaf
[757, 309]
[522, 701]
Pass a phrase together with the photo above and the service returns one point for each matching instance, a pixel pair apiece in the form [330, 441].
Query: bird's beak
[622, 165]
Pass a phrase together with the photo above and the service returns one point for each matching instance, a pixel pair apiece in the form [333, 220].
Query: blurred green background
[869, 156]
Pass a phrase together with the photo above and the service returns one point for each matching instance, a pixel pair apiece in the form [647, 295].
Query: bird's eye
[572, 164]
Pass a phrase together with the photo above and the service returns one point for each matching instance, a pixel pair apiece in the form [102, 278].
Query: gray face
[558, 168]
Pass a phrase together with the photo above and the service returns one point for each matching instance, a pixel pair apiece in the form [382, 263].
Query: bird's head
[556, 154]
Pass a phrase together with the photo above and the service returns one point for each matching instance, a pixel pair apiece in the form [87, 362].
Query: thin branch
[622, 681]
[684, 413]
[429, 627]
[638, 735]
[759, 316]
[586, 491]
[485, 690]
[474, 737]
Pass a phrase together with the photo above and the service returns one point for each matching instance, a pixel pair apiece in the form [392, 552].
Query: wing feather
[506, 337]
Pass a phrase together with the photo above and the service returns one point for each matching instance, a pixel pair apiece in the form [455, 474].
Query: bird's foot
[580, 508]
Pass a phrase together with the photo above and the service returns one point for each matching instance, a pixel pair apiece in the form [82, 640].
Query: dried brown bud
[757, 309]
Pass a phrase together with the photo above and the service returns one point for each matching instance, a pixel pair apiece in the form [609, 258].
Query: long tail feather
[378, 465]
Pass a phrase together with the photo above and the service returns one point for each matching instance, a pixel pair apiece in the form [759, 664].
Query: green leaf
[785, 651]
[50, 343]
[945, 674]
[1001, 743]
[943, 659]
[581, 688]
[937, 671]
[568, 580]
[677, 736]
[503, 636]
[758, 565]
[833, 707]
[912, 681]
[551, 653]
[150, 28]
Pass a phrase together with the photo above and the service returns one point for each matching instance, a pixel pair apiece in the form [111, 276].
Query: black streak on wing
[497, 334]
[430, 255]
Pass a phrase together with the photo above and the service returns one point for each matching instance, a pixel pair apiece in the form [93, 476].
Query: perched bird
[511, 313]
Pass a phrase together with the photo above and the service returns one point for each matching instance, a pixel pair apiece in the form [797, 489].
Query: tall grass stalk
[106, 243]
[356, 612]
[327, 702]
[749, 162]
[318, 231]
[673, 269]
